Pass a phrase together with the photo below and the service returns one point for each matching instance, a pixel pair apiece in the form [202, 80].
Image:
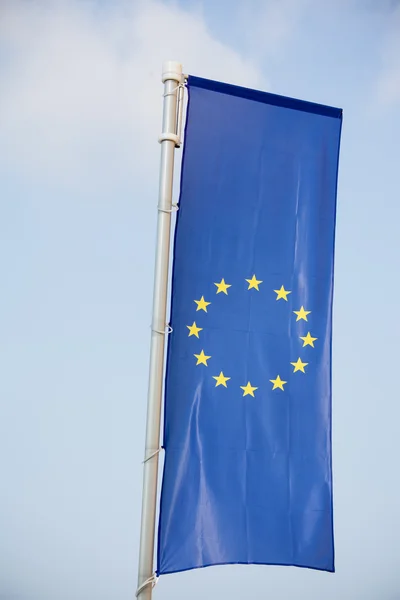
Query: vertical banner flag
[247, 429]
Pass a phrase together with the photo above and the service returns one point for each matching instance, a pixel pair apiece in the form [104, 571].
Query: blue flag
[247, 429]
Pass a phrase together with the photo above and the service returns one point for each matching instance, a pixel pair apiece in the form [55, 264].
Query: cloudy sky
[80, 113]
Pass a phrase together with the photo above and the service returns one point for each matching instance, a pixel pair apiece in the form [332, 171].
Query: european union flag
[247, 432]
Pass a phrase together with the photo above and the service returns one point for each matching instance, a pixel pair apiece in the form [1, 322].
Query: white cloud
[80, 82]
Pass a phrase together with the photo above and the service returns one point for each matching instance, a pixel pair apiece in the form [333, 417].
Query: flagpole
[172, 78]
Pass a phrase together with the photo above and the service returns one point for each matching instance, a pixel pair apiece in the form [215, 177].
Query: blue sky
[80, 113]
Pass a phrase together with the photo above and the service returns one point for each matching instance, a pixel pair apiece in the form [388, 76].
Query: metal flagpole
[172, 78]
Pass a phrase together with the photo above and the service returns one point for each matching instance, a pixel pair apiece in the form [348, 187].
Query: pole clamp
[170, 137]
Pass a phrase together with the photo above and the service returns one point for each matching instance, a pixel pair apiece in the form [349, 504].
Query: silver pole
[172, 77]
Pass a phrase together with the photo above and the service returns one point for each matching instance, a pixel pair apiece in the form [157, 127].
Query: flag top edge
[265, 97]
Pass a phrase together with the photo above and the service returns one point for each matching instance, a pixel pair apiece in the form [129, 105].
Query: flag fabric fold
[247, 424]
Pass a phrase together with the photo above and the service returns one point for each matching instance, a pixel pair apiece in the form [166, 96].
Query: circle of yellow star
[202, 304]
[278, 383]
[202, 358]
[248, 390]
[302, 314]
[194, 330]
[308, 340]
[221, 379]
[282, 293]
[299, 365]
[222, 286]
[253, 283]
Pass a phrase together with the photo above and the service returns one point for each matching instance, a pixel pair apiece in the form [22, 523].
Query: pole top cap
[172, 70]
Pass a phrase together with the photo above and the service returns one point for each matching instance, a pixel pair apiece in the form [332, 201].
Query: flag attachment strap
[178, 87]
[152, 455]
[168, 329]
[150, 581]
[175, 208]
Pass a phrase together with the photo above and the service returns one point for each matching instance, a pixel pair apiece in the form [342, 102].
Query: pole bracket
[176, 137]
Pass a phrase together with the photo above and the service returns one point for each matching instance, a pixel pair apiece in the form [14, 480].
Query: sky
[80, 114]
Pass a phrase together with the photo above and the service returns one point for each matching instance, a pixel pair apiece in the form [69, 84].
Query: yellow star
[299, 366]
[222, 286]
[308, 340]
[202, 358]
[302, 314]
[221, 379]
[278, 383]
[194, 330]
[282, 293]
[202, 304]
[248, 390]
[253, 283]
